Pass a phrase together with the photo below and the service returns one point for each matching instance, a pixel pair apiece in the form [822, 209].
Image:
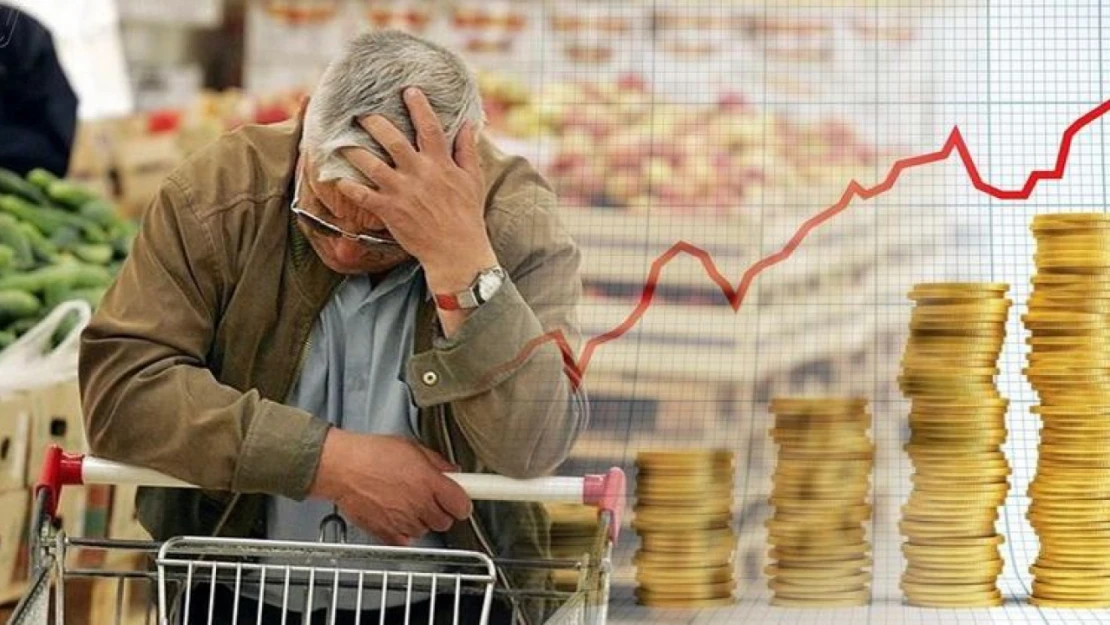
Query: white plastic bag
[30, 362]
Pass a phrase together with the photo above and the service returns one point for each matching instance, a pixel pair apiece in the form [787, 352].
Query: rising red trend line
[575, 369]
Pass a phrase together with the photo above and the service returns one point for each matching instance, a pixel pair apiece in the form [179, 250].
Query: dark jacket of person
[38, 108]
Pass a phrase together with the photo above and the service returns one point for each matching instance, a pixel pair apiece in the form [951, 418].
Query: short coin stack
[1069, 367]
[574, 529]
[957, 427]
[819, 549]
[683, 515]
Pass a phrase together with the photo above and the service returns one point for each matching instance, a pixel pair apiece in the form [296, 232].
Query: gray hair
[369, 77]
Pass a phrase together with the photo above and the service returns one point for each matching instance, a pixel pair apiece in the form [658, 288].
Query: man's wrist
[453, 277]
[323, 486]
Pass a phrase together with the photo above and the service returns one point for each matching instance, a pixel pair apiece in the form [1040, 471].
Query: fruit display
[58, 242]
[619, 146]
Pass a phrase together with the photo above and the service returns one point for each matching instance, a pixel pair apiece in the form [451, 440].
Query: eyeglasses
[326, 229]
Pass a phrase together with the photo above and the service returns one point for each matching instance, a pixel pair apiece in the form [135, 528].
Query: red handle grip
[58, 469]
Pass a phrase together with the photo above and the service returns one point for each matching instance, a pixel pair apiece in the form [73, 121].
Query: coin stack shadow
[683, 515]
[819, 550]
[957, 427]
[1069, 366]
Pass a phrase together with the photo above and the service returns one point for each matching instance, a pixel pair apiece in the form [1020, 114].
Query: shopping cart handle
[605, 492]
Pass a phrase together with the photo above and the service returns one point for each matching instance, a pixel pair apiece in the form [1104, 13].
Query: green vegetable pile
[58, 242]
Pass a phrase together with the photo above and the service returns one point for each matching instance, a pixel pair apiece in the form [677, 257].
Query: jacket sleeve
[149, 398]
[509, 389]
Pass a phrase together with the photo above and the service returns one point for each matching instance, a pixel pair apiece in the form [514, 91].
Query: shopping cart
[319, 579]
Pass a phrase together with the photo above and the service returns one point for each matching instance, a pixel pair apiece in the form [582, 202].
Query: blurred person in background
[329, 314]
[38, 108]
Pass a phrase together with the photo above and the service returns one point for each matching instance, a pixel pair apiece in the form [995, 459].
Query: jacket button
[430, 378]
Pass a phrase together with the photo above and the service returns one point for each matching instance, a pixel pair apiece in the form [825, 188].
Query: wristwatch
[484, 287]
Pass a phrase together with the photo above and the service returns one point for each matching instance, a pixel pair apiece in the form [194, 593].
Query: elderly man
[328, 315]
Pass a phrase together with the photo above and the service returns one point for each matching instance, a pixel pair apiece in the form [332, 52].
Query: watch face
[488, 283]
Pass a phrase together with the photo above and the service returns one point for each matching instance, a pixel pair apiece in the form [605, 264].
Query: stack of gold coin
[819, 550]
[1069, 363]
[957, 427]
[683, 515]
[574, 531]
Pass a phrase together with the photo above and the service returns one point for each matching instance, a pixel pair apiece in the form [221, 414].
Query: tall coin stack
[820, 553]
[683, 515]
[1069, 367]
[957, 427]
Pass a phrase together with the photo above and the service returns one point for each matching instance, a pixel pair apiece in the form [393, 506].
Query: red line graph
[575, 368]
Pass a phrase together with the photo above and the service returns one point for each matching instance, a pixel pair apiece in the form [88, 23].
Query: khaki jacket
[187, 362]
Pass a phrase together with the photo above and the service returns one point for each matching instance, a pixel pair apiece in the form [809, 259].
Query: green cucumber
[11, 182]
[69, 195]
[18, 304]
[94, 253]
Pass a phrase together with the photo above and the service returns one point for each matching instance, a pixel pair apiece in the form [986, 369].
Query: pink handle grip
[607, 493]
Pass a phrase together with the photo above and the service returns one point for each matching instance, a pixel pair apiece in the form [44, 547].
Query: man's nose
[348, 251]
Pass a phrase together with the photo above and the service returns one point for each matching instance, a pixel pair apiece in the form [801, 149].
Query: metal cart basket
[325, 582]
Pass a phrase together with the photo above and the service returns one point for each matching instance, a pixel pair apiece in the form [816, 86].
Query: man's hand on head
[392, 487]
[432, 199]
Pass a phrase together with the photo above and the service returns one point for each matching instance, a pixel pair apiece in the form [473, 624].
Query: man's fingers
[466, 150]
[378, 171]
[437, 519]
[453, 499]
[429, 132]
[390, 138]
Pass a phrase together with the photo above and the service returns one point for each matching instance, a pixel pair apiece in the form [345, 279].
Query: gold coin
[953, 573]
[654, 524]
[860, 599]
[795, 586]
[858, 515]
[835, 570]
[942, 517]
[707, 508]
[1065, 592]
[1087, 567]
[652, 574]
[955, 601]
[932, 552]
[986, 289]
[787, 528]
[962, 528]
[1089, 604]
[794, 404]
[686, 592]
[955, 541]
[660, 482]
[652, 602]
[918, 588]
[787, 552]
[689, 540]
[824, 598]
[1065, 575]
[829, 504]
[839, 535]
[822, 561]
[947, 482]
[682, 496]
[685, 559]
[684, 456]
[971, 579]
